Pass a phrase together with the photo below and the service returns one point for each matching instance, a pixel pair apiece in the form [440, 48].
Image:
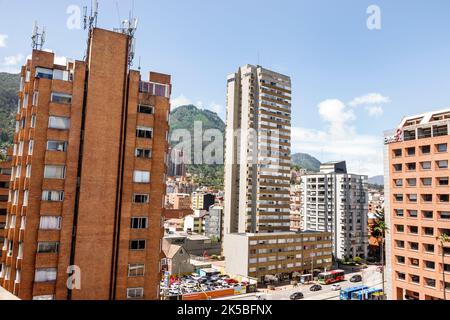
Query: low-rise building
[178, 201]
[213, 223]
[195, 244]
[279, 254]
[202, 201]
[177, 259]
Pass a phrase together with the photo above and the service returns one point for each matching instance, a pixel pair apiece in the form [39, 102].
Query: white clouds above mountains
[11, 64]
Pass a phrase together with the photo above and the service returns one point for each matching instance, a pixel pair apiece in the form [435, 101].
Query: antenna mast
[38, 37]
[90, 21]
[129, 28]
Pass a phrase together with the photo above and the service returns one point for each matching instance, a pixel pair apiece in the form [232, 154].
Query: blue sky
[324, 45]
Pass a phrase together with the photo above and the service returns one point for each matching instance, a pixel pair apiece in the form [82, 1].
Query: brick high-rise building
[88, 181]
[417, 207]
[5, 177]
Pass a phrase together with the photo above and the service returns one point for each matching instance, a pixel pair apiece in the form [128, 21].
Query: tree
[443, 239]
[379, 230]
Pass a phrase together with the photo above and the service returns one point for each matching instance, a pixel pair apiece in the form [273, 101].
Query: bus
[367, 294]
[331, 277]
[346, 294]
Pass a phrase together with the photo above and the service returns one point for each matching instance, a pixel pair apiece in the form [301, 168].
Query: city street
[371, 278]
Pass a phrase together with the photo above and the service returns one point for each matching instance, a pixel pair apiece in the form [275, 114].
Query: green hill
[305, 161]
[9, 87]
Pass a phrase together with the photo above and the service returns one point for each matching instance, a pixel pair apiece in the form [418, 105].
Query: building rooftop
[285, 233]
[426, 118]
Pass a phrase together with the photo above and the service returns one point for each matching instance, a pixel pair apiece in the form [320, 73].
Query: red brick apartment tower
[5, 177]
[418, 207]
[88, 182]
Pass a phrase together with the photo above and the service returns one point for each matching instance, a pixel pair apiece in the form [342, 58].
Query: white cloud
[181, 100]
[339, 117]
[3, 38]
[62, 61]
[341, 141]
[372, 103]
[11, 64]
[217, 108]
[375, 111]
[370, 99]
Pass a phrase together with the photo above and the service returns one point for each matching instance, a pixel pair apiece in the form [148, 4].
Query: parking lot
[199, 284]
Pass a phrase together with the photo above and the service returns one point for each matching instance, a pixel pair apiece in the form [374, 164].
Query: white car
[336, 287]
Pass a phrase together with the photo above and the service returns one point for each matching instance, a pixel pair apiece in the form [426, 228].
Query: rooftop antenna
[129, 28]
[139, 67]
[38, 37]
[90, 21]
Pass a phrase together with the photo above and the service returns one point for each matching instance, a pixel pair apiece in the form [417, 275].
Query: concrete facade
[336, 202]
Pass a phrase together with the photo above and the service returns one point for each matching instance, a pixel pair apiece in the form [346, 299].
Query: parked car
[336, 287]
[316, 287]
[356, 278]
[297, 296]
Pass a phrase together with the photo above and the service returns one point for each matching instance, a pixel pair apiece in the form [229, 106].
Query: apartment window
[140, 198]
[35, 98]
[427, 231]
[61, 75]
[444, 215]
[50, 223]
[60, 123]
[44, 73]
[412, 198]
[415, 279]
[139, 223]
[398, 167]
[412, 213]
[411, 151]
[30, 147]
[52, 195]
[54, 172]
[33, 121]
[61, 98]
[26, 195]
[397, 153]
[398, 182]
[411, 166]
[441, 147]
[400, 244]
[429, 248]
[136, 270]
[144, 132]
[401, 276]
[141, 176]
[145, 109]
[413, 230]
[426, 165]
[443, 164]
[425, 149]
[400, 213]
[137, 244]
[400, 259]
[414, 262]
[135, 293]
[398, 197]
[411, 182]
[430, 265]
[143, 153]
[45, 275]
[60, 146]
[444, 198]
[414, 246]
[400, 228]
[427, 214]
[44, 297]
[443, 182]
[430, 283]
[48, 247]
[427, 182]
[427, 198]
